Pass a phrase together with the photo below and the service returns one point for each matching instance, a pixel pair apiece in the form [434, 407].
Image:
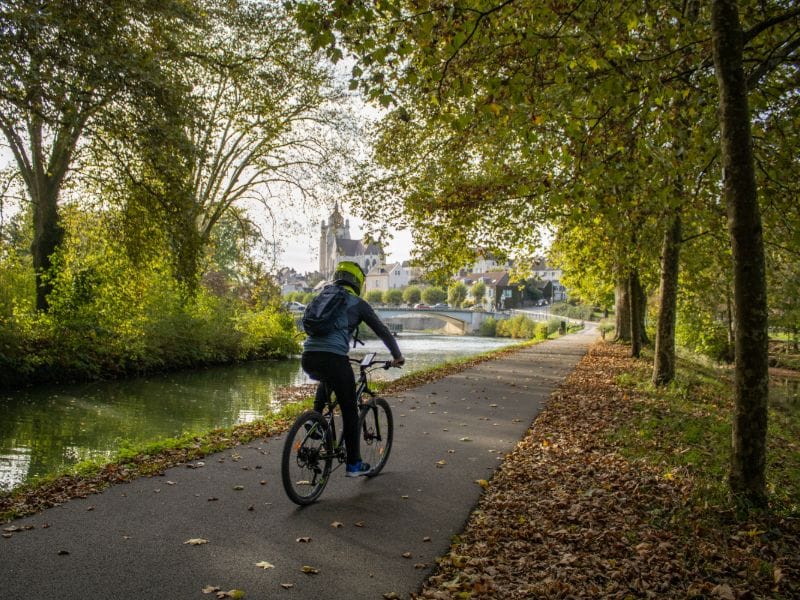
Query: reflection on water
[48, 428]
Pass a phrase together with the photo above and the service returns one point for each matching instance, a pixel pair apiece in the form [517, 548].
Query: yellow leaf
[482, 482]
[495, 108]
[265, 565]
[196, 541]
[309, 570]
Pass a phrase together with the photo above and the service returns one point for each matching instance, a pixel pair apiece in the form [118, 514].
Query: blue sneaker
[357, 470]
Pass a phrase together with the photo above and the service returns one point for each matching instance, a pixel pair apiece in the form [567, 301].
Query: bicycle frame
[366, 365]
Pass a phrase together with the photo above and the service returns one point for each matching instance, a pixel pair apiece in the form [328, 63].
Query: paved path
[129, 542]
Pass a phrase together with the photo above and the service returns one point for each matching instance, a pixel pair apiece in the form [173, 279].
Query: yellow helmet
[350, 273]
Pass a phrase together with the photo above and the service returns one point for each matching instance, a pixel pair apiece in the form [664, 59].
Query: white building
[386, 277]
[547, 273]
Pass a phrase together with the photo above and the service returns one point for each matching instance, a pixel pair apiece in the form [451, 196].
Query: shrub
[412, 294]
[374, 296]
[393, 297]
[488, 328]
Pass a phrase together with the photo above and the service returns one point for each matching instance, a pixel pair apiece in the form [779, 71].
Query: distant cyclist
[325, 353]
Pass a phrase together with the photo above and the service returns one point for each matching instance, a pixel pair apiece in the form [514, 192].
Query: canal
[48, 428]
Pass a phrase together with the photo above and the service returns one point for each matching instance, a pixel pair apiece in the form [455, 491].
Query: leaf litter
[567, 516]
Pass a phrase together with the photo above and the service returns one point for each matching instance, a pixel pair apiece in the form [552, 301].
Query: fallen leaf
[359, 523]
[303, 540]
[465, 439]
[426, 539]
[309, 570]
[482, 482]
[337, 524]
[724, 591]
[420, 565]
[265, 565]
[287, 586]
[406, 554]
[238, 488]
[210, 589]
[233, 594]
[63, 552]
[441, 463]
[391, 596]
[196, 541]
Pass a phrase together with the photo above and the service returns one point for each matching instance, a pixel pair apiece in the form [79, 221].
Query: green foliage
[477, 290]
[521, 327]
[374, 296]
[456, 294]
[110, 317]
[583, 313]
[308, 297]
[393, 297]
[488, 328]
[412, 294]
[433, 295]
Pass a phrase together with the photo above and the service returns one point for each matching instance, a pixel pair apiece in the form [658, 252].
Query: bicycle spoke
[376, 428]
[306, 460]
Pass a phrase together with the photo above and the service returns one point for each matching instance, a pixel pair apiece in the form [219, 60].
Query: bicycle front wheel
[376, 426]
[307, 456]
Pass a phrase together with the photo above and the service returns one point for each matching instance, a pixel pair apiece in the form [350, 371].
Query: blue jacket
[338, 342]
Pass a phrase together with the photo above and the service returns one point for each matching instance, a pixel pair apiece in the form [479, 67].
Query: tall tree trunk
[47, 237]
[747, 477]
[622, 311]
[642, 308]
[664, 364]
[635, 313]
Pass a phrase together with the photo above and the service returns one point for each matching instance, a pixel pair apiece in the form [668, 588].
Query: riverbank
[618, 491]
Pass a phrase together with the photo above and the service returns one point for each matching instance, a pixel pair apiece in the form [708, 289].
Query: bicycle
[312, 445]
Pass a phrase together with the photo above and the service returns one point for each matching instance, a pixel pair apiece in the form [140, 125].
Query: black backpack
[327, 312]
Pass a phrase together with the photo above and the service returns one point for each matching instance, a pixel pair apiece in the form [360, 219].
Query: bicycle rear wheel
[306, 461]
[376, 426]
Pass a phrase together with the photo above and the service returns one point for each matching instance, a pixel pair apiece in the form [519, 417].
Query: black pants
[334, 371]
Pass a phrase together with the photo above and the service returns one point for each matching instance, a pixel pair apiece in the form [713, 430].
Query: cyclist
[325, 360]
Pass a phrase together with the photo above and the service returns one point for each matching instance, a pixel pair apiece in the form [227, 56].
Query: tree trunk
[623, 311]
[747, 477]
[635, 313]
[664, 364]
[641, 303]
[47, 237]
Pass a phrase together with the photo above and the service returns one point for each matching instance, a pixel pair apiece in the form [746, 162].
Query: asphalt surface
[365, 537]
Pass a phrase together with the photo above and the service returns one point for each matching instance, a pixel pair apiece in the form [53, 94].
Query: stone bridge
[454, 321]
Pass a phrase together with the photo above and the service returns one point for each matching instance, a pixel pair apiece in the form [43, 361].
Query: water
[46, 429]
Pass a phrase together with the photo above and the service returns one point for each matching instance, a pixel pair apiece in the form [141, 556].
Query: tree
[393, 297]
[65, 63]
[412, 294]
[747, 475]
[456, 294]
[374, 296]
[433, 295]
[261, 121]
[477, 290]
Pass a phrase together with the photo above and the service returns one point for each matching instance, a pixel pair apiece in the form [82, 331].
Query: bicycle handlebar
[366, 364]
